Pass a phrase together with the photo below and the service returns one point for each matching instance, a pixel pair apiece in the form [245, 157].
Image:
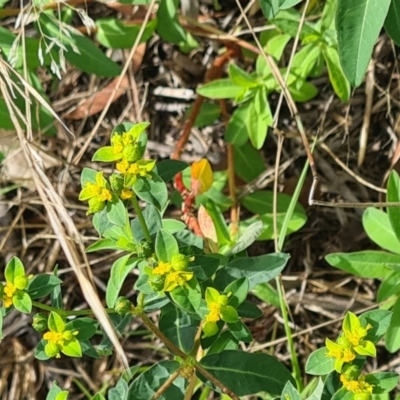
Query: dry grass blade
[60, 221]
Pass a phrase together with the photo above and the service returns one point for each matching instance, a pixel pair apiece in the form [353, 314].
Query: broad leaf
[249, 163]
[318, 363]
[147, 384]
[392, 21]
[379, 229]
[166, 246]
[178, 326]
[365, 264]
[220, 89]
[358, 26]
[119, 271]
[248, 373]
[80, 51]
[259, 269]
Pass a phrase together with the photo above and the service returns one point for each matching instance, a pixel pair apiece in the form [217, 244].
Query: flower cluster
[219, 309]
[350, 344]
[58, 339]
[97, 193]
[127, 150]
[167, 276]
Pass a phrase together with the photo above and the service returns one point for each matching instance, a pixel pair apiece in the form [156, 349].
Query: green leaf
[147, 384]
[240, 77]
[236, 132]
[56, 391]
[238, 291]
[152, 190]
[35, 53]
[188, 297]
[318, 363]
[170, 29]
[117, 213]
[119, 271]
[90, 58]
[249, 310]
[204, 267]
[220, 89]
[339, 82]
[379, 321]
[13, 269]
[275, 47]
[365, 264]
[304, 62]
[86, 327]
[393, 195]
[305, 93]
[249, 163]
[166, 246]
[358, 26]
[55, 322]
[271, 7]
[288, 22]
[119, 392]
[225, 341]
[5, 120]
[42, 285]
[248, 373]
[392, 21]
[112, 33]
[259, 269]
[167, 169]
[152, 218]
[240, 331]
[103, 244]
[389, 287]
[173, 225]
[259, 118]
[383, 382]
[266, 293]
[178, 326]
[248, 237]
[209, 112]
[290, 392]
[106, 154]
[72, 349]
[22, 302]
[379, 229]
[392, 337]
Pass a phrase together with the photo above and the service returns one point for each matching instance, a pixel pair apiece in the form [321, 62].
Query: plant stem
[68, 313]
[142, 221]
[295, 362]
[166, 385]
[216, 382]
[149, 324]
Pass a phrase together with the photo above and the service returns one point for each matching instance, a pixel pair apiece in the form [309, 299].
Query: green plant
[342, 361]
[383, 229]
[202, 296]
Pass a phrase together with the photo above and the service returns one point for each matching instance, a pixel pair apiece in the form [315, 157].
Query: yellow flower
[177, 278]
[341, 353]
[215, 312]
[162, 268]
[126, 194]
[96, 193]
[357, 386]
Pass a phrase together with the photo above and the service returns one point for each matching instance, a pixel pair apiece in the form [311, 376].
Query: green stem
[68, 313]
[295, 362]
[149, 324]
[142, 221]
